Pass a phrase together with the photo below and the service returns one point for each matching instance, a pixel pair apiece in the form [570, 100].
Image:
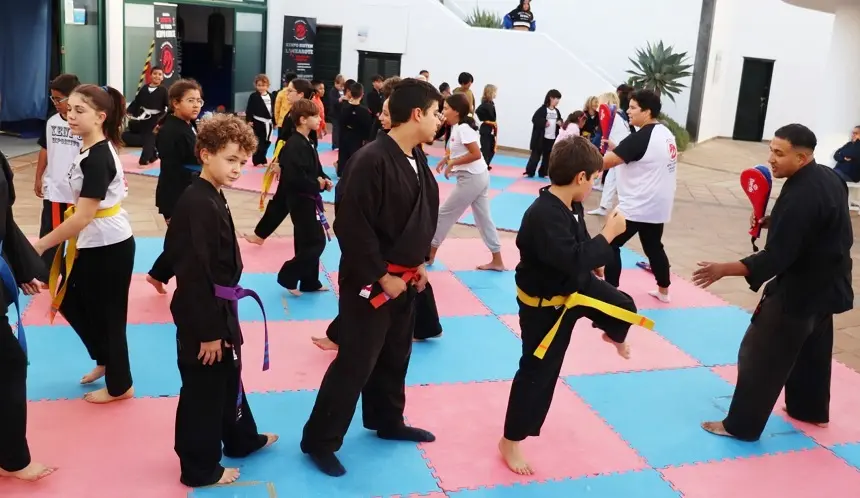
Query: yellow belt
[58, 292]
[269, 176]
[577, 299]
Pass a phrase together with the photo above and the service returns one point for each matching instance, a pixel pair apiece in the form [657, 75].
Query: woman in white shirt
[93, 296]
[464, 160]
[617, 133]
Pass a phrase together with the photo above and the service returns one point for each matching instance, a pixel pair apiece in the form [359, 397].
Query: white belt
[146, 114]
[267, 121]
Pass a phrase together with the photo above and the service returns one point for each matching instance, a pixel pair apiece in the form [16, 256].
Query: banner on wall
[166, 53]
[298, 56]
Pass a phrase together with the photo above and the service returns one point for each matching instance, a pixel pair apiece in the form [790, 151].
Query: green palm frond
[480, 18]
[659, 68]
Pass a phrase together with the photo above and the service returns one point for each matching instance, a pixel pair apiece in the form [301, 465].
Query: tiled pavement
[710, 221]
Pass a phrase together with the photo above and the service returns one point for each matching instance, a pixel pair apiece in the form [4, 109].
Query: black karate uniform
[260, 116]
[486, 112]
[300, 170]
[557, 258]
[25, 265]
[153, 101]
[201, 243]
[335, 105]
[176, 141]
[789, 342]
[539, 145]
[355, 125]
[374, 101]
[387, 215]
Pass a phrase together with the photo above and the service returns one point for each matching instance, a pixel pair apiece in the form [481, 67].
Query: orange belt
[408, 275]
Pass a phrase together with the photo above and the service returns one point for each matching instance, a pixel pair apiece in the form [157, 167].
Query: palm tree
[659, 68]
[480, 18]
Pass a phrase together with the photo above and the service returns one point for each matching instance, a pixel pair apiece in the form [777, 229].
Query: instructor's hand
[393, 286]
[708, 273]
[210, 352]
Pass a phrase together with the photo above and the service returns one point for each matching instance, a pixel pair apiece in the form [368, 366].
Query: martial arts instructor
[807, 259]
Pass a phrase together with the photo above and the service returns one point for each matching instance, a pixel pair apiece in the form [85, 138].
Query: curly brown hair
[219, 131]
[388, 86]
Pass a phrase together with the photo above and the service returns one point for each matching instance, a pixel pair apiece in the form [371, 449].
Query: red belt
[408, 275]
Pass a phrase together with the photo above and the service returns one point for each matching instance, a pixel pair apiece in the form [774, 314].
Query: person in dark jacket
[546, 122]
[848, 158]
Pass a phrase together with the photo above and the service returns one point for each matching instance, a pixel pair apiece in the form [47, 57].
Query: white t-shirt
[646, 182]
[552, 119]
[620, 130]
[63, 147]
[461, 135]
[97, 174]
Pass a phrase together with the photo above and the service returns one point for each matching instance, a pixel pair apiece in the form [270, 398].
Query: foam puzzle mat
[617, 428]
[510, 192]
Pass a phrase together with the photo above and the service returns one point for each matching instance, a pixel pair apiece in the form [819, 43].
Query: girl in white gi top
[464, 160]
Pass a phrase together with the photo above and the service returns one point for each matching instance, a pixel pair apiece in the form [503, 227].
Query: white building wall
[605, 35]
[430, 36]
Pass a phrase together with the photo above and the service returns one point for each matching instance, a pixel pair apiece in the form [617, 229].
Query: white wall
[432, 37]
[581, 26]
[115, 48]
[797, 39]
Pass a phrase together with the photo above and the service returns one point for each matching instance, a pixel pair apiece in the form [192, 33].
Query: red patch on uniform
[673, 149]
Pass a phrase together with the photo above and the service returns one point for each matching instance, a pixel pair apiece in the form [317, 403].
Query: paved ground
[710, 221]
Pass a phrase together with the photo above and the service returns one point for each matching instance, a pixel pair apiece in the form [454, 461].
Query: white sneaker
[664, 298]
[597, 212]
[598, 188]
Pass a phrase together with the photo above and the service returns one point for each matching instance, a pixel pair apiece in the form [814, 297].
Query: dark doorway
[206, 44]
[327, 48]
[752, 100]
[373, 63]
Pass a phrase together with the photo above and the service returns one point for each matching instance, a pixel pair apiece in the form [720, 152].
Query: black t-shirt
[99, 170]
[634, 146]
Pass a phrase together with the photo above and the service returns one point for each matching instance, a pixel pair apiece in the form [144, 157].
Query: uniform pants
[540, 154]
[488, 147]
[651, 237]
[782, 349]
[471, 190]
[534, 383]
[96, 306]
[162, 269]
[14, 452]
[371, 362]
[276, 212]
[206, 417]
[52, 216]
[607, 197]
[303, 271]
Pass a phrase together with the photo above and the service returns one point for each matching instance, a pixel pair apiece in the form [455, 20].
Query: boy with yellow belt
[557, 284]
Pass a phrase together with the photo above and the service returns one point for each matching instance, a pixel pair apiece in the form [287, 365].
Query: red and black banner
[166, 53]
[299, 37]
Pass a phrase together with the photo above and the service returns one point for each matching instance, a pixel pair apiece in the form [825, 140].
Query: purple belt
[321, 212]
[234, 294]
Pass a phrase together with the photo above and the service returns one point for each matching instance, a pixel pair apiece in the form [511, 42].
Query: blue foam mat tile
[331, 171]
[151, 172]
[507, 210]
[710, 335]
[506, 160]
[58, 360]
[497, 290]
[363, 455]
[133, 152]
[308, 306]
[501, 182]
[146, 251]
[642, 484]
[848, 452]
[659, 413]
[241, 489]
[474, 348]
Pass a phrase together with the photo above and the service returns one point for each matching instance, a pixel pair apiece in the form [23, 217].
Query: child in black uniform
[558, 260]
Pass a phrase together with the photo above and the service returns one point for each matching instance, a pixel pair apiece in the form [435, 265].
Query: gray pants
[471, 190]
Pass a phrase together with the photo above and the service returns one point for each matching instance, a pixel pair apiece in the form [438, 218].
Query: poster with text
[298, 55]
[165, 53]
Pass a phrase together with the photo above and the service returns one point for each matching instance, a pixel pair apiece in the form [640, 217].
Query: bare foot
[622, 347]
[229, 476]
[270, 439]
[823, 425]
[492, 267]
[716, 428]
[323, 288]
[295, 292]
[159, 286]
[514, 458]
[31, 473]
[252, 238]
[93, 376]
[324, 343]
[101, 396]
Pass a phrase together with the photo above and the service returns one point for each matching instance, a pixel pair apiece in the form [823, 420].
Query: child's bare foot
[622, 347]
[323, 288]
[101, 396]
[270, 439]
[30, 473]
[492, 267]
[823, 425]
[93, 376]
[159, 286]
[229, 476]
[324, 343]
[252, 238]
[716, 428]
[514, 458]
[295, 292]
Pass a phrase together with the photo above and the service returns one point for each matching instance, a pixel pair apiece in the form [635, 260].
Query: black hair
[377, 77]
[316, 82]
[444, 87]
[423, 71]
[356, 90]
[156, 68]
[798, 136]
[465, 79]
[65, 83]
[289, 77]
[410, 94]
[552, 94]
[303, 87]
[461, 105]
[648, 100]
[573, 117]
[572, 156]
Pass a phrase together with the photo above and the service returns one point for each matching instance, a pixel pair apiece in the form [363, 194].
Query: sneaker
[597, 212]
[664, 298]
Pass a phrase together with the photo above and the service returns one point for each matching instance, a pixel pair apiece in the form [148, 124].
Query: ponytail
[110, 101]
[469, 120]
